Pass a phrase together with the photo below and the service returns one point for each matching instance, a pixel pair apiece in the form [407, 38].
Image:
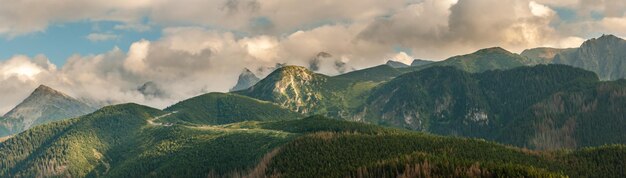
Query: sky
[103, 50]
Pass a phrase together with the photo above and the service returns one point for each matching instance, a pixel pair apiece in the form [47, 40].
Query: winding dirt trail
[151, 121]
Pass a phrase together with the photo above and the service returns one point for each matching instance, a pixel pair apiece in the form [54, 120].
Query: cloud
[22, 17]
[97, 37]
[402, 57]
[132, 27]
[205, 44]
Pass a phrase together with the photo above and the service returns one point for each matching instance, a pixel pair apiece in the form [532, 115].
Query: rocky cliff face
[294, 87]
[606, 56]
[44, 105]
[246, 80]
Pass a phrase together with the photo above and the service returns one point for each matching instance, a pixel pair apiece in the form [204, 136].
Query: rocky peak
[605, 41]
[294, 87]
[44, 90]
[246, 80]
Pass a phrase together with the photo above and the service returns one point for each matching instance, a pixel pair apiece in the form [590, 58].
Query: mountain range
[492, 113]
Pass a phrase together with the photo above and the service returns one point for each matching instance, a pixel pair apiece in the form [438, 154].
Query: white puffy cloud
[402, 57]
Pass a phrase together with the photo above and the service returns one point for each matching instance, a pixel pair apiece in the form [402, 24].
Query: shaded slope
[605, 56]
[526, 106]
[332, 154]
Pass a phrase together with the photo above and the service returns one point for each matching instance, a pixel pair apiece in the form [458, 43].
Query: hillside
[523, 106]
[224, 108]
[119, 141]
[605, 56]
[328, 154]
[43, 105]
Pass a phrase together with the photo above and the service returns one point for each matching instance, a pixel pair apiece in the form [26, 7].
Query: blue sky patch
[61, 41]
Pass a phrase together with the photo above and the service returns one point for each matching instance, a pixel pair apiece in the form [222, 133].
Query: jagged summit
[46, 90]
[246, 80]
[608, 37]
[604, 40]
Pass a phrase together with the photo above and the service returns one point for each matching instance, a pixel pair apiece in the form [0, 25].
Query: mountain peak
[294, 87]
[292, 70]
[492, 50]
[42, 106]
[246, 80]
[610, 40]
[43, 89]
[396, 64]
